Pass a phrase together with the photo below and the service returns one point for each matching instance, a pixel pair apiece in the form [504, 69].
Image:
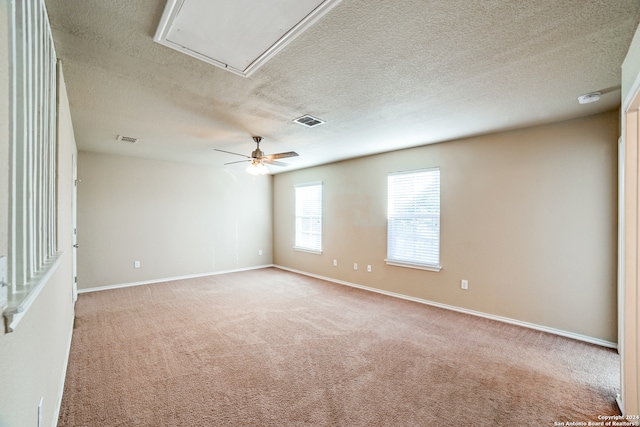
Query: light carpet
[273, 348]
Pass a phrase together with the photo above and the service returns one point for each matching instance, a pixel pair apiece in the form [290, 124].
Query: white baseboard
[169, 279]
[554, 331]
[619, 402]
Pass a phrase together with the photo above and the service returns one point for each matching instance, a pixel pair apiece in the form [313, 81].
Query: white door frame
[621, 264]
[629, 310]
[74, 225]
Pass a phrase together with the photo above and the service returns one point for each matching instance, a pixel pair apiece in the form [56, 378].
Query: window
[309, 217]
[413, 219]
[32, 252]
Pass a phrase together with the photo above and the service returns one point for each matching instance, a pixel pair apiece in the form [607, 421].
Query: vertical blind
[32, 192]
[309, 217]
[413, 227]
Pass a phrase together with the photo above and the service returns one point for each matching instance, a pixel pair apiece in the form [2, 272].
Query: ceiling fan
[258, 158]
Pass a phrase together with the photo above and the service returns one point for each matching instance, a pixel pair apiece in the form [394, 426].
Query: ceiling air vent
[309, 121]
[128, 139]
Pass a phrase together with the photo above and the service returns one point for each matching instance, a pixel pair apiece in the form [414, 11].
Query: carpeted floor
[273, 348]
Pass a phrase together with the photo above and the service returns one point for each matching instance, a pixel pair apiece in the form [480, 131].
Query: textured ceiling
[384, 74]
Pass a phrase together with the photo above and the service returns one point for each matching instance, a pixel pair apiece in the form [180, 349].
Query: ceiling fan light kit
[257, 168]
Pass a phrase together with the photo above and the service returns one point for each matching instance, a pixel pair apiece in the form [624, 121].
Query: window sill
[427, 267]
[20, 301]
[311, 251]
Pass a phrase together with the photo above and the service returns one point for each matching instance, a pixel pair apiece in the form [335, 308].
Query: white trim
[404, 172]
[21, 301]
[173, 7]
[170, 279]
[621, 243]
[308, 184]
[311, 251]
[64, 373]
[630, 362]
[168, 15]
[621, 264]
[298, 29]
[619, 403]
[427, 267]
[633, 92]
[528, 325]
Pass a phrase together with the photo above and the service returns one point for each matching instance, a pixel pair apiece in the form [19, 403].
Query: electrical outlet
[355, 265]
[369, 268]
[464, 284]
[136, 264]
[335, 262]
[260, 252]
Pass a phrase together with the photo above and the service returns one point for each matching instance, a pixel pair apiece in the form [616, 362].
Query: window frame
[394, 258]
[317, 215]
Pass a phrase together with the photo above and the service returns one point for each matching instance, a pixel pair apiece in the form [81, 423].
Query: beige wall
[528, 217]
[34, 357]
[176, 219]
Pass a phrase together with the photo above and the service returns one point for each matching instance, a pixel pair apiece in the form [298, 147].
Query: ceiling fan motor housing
[257, 153]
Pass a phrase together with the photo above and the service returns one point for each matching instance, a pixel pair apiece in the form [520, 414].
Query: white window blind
[32, 251]
[413, 227]
[309, 217]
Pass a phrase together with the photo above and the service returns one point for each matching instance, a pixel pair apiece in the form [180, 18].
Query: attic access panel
[237, 35]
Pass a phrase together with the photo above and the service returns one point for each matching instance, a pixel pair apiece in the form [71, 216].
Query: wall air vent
[309, 121]
[238, 36]
[128, 139]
